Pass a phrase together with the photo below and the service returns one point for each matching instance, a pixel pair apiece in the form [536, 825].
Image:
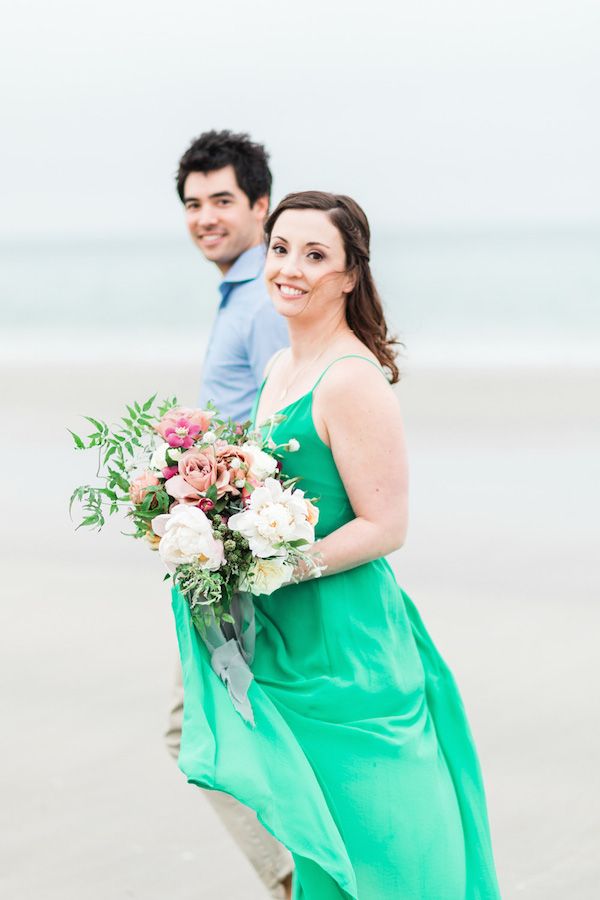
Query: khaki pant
[272, 861]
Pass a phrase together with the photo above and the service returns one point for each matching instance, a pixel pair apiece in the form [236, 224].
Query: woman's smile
[306, 264]
[287, 290]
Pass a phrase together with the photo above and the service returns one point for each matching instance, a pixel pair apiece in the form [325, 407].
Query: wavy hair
[364, 310]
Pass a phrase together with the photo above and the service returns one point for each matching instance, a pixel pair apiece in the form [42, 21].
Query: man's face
[219, 216]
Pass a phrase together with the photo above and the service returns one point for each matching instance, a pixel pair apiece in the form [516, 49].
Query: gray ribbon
[231, 649]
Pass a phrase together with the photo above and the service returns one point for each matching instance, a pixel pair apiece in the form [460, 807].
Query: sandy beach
[500, 560]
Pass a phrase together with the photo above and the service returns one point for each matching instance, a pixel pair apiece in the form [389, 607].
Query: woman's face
[305, 266]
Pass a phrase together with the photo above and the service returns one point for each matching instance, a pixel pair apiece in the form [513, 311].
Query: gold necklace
[302, 369]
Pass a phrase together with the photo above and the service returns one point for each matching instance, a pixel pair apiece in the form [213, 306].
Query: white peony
[266, 576]
[159, 457]
[263, 464]
[186, 537]
[273, 516]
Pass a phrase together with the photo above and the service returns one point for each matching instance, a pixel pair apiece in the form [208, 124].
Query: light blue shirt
[245, 334]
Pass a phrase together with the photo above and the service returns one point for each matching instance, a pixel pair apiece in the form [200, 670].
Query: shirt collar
[247, 266]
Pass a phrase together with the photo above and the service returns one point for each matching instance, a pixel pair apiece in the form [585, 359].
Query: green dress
[361, 762]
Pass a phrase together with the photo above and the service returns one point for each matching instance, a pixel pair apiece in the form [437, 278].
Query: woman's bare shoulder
[351, 369]
[357, 386]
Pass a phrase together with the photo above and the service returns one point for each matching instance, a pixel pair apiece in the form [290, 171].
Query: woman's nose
[290, 267]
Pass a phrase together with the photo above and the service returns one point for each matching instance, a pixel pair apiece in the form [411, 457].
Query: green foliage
[117, 447]
[208, 594]
[127, 446]
[199, 586]
[163, 407]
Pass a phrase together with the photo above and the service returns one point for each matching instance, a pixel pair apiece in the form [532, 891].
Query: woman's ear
[350, 281]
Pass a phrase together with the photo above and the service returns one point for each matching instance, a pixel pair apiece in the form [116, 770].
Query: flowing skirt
[361, 761]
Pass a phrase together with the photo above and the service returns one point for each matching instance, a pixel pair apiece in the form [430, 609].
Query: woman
[361, 762]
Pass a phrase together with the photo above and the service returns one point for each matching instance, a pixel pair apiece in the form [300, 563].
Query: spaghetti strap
[349, 356]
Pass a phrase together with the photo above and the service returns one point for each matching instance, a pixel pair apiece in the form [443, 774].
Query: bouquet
[210, 496]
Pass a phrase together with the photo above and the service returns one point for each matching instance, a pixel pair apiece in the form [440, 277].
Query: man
[224, 183]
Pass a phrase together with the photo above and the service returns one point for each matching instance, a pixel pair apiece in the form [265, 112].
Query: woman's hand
[312, 565]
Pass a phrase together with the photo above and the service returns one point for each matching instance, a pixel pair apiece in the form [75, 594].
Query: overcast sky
[429, 113]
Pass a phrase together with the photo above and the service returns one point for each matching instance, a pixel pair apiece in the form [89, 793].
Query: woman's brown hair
[364, 310]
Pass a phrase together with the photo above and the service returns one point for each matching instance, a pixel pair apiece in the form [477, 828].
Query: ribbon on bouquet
[231, 649]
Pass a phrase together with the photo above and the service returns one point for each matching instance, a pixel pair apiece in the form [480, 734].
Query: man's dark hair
[217, 149]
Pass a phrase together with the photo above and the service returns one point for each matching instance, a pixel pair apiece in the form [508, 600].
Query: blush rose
[138, 487]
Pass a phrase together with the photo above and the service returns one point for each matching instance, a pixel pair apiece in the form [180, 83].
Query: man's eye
[224, 202]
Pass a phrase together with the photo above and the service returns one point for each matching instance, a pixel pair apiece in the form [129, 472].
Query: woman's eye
[278, 249]
[314, 254]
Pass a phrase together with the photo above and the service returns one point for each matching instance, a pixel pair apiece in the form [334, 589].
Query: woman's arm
[358, 415]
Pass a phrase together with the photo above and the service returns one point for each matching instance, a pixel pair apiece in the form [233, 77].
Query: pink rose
[169, 471]
[181, 418]
[228, 457]
[223, 480]
[229, 452]
[178, 488]
[137, 488]
[199, 468]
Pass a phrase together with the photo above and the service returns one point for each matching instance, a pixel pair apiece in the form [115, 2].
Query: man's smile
[211, 238]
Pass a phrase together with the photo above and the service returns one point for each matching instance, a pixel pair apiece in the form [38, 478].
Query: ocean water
[504, 297]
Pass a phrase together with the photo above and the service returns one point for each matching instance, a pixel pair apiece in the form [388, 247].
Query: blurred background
[469, 133]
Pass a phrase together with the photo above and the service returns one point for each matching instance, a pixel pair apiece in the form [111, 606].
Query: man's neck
[225, 267]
